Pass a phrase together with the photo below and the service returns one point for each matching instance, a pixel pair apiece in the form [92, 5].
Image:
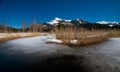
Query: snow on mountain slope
[105, 22]
[79, 20]
[68, 20]
[55, 21]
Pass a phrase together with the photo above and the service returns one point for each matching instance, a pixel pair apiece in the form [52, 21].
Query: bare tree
[23, 26]
[4, 26]
[34, 25]
[10, 29]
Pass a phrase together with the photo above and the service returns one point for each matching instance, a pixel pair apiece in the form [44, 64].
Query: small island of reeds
[81, 36]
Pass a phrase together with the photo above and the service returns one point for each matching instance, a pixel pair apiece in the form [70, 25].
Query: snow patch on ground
[74, 41]
[54, 41]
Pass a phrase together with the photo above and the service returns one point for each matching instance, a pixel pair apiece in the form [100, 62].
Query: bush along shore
[81, 36]
[10, 36]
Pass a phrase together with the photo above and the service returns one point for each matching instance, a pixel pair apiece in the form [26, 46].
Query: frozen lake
[18, 54]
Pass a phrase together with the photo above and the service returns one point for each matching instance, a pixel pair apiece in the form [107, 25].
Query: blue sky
[45, 10]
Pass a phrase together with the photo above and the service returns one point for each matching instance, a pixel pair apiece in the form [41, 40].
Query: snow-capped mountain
[105, 22]
[55, 21]
[110, 24]
[64, 21]
[58, 20]
[79, 22]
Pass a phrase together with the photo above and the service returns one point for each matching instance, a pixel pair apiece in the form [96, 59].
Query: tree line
[32, 27]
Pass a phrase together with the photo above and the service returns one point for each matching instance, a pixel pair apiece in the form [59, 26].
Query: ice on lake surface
[29, 45]
[34, 49]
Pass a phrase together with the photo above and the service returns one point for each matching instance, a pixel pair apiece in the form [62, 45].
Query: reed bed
[114, 33]
[10, 36]
[83, 36]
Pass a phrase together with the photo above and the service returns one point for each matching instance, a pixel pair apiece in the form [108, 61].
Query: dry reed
[114, 33]
[83, 36]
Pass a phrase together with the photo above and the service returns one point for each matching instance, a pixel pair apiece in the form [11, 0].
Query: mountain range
[78, 22]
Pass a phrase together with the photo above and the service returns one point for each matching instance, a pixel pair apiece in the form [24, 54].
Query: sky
[13, 11]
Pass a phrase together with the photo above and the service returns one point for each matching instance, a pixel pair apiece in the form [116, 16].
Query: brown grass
[84, 37]
[10, 36]
[114, 33]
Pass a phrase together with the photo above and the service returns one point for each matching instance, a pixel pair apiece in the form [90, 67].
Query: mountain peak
[55, 21]
[58, 19]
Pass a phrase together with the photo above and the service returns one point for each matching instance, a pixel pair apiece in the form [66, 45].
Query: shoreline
[11, 36]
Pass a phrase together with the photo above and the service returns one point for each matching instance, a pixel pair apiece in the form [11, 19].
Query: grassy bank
[81, 36]
[9, 36]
